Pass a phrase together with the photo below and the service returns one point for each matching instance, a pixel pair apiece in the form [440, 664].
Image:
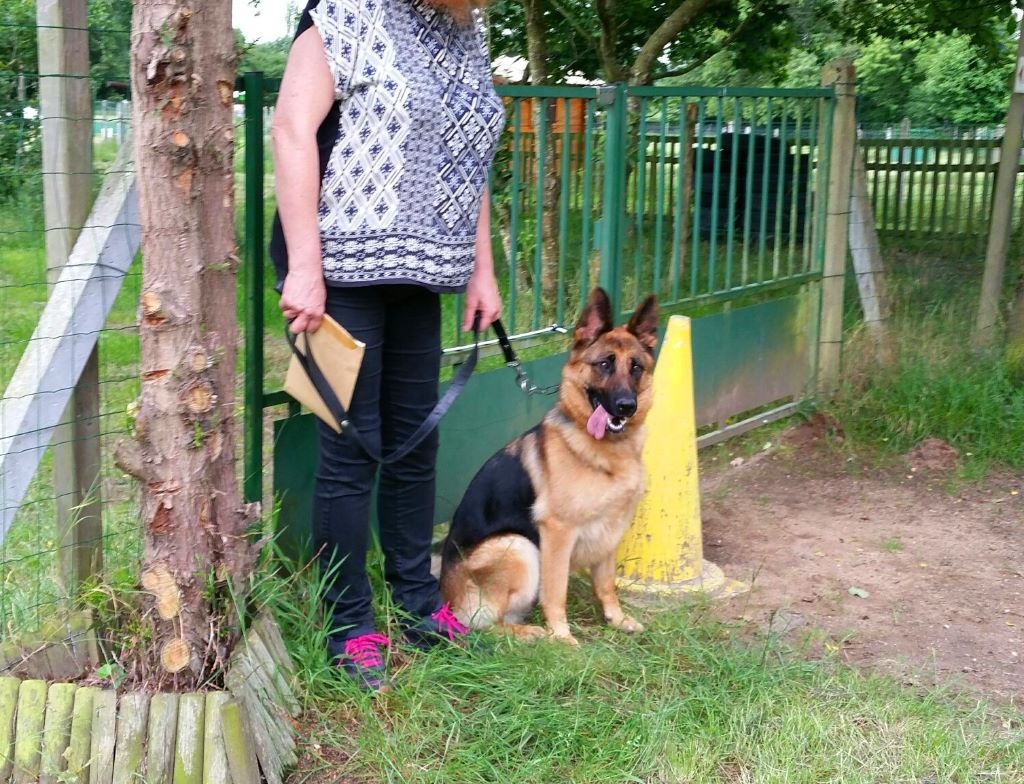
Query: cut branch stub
[175, 655]
[200, 399]
[158, 309]
[128, 457]
[159, 582]
[227, 92]
[199, 361]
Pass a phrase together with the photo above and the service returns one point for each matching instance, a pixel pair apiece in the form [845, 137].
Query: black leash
[340, 415]
[512, 361]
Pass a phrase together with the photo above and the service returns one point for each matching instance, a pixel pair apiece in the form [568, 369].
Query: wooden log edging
[61, 650]
[62, 732]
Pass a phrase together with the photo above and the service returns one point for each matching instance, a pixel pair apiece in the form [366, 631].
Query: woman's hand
[303, 299]
[482, 290]
[481, 295]
[306, 96]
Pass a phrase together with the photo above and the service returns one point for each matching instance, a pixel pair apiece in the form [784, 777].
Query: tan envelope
[338, 355]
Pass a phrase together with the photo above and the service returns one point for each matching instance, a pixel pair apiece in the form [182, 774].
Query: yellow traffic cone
[663, 550]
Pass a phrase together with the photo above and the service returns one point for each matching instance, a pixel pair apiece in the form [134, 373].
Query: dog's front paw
[564, 637]
[526, 632]
[627, 624]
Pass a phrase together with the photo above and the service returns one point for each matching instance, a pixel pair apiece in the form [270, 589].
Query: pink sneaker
[440, 626]
[363, 660]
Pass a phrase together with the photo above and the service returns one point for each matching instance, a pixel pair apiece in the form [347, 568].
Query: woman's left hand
[481, 295]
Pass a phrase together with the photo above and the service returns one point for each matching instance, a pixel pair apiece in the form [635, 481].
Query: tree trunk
[549, 228]
[608, 41]
[184, 449]
[985, 332]
[676, 22]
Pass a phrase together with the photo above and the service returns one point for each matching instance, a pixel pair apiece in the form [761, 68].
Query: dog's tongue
[598, 422]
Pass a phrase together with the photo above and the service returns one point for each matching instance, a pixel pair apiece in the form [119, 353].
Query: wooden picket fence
[939, 188]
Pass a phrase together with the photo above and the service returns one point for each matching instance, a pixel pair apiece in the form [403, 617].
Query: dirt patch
[887, 566]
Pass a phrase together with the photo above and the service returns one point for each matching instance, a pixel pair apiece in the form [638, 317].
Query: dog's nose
[625, 406]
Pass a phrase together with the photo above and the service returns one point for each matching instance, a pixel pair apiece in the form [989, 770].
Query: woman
[383, 134]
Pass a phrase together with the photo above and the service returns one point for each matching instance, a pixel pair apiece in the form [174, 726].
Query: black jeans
[395, 391]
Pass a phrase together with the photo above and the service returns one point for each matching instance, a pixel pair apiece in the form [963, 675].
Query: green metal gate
[714, 199]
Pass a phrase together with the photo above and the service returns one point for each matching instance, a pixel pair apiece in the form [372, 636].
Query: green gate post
[254, 96]
[613, 99]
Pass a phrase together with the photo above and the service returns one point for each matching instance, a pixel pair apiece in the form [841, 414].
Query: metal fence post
[254, 242]
[840, 75]
[613, 207]
[66, 120]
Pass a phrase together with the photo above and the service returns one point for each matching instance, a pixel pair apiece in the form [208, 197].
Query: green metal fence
[713, 199]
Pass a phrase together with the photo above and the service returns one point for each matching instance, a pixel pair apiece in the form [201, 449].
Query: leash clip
[522, 380]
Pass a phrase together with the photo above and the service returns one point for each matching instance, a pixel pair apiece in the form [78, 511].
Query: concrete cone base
[711, 582]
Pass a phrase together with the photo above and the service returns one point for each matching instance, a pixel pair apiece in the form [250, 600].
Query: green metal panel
[751, 357]
[490, 412]
[295, 464]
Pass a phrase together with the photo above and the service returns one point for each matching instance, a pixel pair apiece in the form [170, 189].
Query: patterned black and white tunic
[405, 152]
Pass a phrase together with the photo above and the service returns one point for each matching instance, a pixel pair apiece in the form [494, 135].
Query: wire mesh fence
[37, 551]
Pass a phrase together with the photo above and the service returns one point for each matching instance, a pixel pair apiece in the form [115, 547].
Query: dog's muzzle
[601, 421]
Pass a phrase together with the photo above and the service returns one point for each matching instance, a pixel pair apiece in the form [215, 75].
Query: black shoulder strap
[340, 415]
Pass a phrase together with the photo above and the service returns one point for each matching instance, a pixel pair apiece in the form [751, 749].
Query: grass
[690, 700]
[937, 386]
[892, 545]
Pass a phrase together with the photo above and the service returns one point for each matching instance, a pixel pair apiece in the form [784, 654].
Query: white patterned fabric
[418, 124]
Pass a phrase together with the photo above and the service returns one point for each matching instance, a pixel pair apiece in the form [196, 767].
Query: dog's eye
[636, 369]
[605, 364]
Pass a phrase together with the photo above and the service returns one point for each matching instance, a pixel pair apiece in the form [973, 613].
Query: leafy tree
[110, 23]
[19, 136]
[267, 57]
[887, 72]
[641, 41]
[956, 86]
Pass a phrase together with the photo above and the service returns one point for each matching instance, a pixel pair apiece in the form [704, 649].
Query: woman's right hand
[303, 299]
[306, 96]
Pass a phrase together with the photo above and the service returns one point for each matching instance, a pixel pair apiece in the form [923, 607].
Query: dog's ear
[596, 318]
[644, 323]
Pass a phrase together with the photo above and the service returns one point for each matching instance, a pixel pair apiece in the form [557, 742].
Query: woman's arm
[307, 93]
[482, 290]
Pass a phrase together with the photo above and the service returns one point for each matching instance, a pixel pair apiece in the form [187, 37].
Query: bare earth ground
[938, 566]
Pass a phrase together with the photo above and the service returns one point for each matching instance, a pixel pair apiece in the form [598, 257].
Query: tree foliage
[19, 136]
[645, 40]
[956, 87]
[110, 23]
[606, 39]
[267, 57]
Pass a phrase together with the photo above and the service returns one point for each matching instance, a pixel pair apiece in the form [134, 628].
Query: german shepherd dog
[559, 497]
